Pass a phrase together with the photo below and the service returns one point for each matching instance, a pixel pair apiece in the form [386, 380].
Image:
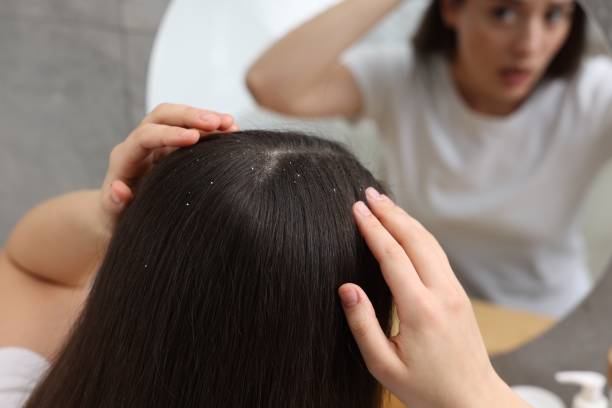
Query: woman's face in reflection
[504, 47]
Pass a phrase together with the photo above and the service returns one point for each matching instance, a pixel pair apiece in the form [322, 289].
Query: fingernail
[373, 194]
[349, 297]
[208, 118]
[115, 199]
[362, 208]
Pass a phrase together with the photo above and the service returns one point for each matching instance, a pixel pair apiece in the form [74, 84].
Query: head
[219, 285]
[501, 49]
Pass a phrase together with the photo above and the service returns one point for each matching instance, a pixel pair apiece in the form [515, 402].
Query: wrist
[496, 393]
[488, 391]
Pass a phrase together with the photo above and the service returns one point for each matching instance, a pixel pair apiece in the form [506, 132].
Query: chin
[516, 95]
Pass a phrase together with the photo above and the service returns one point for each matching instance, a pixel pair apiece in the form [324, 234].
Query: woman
[493, 128]
[217, 288]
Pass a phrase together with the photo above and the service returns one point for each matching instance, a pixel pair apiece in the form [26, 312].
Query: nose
[530, 38]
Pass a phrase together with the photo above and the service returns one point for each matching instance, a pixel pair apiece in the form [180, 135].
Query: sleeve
[20, 371]
[594, 92]
[380, 71]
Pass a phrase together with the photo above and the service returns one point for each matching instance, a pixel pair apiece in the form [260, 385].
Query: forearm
[62, 240]
[300, 59]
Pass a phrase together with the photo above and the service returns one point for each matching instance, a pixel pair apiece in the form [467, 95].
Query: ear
[448, 11]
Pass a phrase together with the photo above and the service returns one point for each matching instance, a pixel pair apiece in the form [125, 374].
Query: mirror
[217, 79]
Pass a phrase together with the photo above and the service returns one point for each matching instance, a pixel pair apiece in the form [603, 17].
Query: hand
[438, 359]
[164, 130]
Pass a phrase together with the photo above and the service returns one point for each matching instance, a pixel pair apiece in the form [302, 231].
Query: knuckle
[393, 251]
[359, 328]
[159, 111]
[189, 109]
[161, 107]
[115, 152]
[457, 301]
[424, 311]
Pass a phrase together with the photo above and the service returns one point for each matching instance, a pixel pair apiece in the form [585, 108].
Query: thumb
[378, 352]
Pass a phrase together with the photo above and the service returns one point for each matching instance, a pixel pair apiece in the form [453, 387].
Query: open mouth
[515, 76]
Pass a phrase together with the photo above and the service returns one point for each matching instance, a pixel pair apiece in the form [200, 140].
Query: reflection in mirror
[491, 139]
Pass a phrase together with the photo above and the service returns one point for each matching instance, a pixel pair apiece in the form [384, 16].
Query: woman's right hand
[167, 128]
[438, 359]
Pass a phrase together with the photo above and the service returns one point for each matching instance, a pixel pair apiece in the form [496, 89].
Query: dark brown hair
[219, 285]
[434, 36]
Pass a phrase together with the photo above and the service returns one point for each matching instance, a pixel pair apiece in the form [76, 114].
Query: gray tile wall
[72, 84]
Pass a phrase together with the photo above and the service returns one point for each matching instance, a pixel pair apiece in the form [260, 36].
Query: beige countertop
[503, 330]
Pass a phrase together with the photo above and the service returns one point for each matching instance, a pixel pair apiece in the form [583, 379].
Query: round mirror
[216, 77]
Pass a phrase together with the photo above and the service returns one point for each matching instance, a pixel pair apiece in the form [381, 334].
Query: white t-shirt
[502, 195]
[20, 371]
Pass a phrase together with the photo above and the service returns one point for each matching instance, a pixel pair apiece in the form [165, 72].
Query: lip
[513, 77]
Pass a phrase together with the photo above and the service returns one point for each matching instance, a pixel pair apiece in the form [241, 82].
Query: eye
[504, 14]
[556, 14]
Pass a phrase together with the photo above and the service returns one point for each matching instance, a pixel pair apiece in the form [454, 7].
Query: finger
[378, 352]
[121, 192]
[233, 128]
[117, 196]
[227, 121]
[398, 271]
[151, 137]
[159, 154]
[185, 116]
[128, 159]
[422, 248]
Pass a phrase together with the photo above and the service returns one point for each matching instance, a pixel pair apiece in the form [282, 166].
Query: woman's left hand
[438, 358]
[164, 130]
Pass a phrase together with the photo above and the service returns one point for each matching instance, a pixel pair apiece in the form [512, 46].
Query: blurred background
[77, 75]
[72, 85]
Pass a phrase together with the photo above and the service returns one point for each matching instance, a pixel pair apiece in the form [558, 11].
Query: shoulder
[593, 81]
[586, 91]
[597, 65]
